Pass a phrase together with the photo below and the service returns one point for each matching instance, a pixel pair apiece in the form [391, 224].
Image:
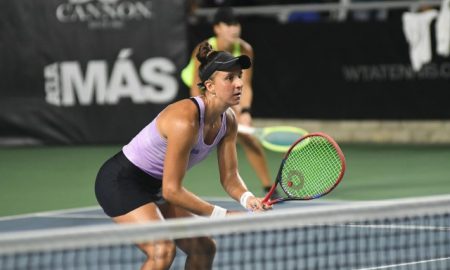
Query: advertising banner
[88, 71]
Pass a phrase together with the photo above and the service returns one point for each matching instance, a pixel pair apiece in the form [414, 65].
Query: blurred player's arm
[195, 90]
[244, 108]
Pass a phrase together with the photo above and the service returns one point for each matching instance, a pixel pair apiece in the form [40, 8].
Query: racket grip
[272, 202]
[266, 199]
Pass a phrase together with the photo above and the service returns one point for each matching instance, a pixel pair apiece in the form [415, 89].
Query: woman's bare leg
[200, 251]
[160, 254]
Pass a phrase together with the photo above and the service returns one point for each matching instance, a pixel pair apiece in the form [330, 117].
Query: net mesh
[311, 169]
[401, 234]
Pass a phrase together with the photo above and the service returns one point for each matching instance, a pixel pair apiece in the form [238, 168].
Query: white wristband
[218, 212]
[244, 198]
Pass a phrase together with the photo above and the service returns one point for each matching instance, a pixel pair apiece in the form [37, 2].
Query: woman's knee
[200, 246]
[208, 244]
[160, 253]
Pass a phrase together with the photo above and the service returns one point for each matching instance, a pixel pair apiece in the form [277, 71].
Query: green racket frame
[312, 167]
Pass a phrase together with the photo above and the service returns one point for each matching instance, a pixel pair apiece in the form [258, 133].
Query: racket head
[312, 168]
[279, 138]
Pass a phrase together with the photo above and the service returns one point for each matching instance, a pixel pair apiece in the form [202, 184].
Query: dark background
[301, 70]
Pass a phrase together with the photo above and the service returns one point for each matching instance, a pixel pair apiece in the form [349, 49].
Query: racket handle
[266, 199]
[272, 202]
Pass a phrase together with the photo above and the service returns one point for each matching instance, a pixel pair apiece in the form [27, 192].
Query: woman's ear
[209, 85]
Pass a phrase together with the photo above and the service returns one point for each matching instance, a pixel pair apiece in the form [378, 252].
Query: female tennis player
[143, 182]
[227, 31]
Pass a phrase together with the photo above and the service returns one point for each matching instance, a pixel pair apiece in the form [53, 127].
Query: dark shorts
[121, 187]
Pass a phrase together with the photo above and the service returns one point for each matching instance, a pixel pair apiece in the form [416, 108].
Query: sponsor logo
[153, 82]
[395, 72]
[104, 13]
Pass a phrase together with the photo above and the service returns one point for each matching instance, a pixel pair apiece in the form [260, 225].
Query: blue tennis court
[94, 216]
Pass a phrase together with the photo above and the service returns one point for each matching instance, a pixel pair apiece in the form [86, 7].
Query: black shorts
[121, 187]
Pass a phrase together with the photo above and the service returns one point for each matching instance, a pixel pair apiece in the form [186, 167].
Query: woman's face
[228, 33]
[227, 85]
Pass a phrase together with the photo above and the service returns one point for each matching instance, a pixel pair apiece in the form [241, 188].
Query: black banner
[353, 70]
[88, 71]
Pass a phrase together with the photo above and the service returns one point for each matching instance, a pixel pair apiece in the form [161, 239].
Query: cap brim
[227, 63]
[242, 62]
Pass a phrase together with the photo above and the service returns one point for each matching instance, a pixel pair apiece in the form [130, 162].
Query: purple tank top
[147, 150]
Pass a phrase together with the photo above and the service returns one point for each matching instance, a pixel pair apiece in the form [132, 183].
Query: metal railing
[340, 9]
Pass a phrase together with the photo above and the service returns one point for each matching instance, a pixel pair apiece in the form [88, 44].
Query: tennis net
[398, 234]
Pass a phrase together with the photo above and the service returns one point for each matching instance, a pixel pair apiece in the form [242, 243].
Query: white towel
[443, 29]
[416, 27]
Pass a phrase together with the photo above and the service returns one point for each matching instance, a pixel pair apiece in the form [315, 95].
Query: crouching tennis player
[143, 182]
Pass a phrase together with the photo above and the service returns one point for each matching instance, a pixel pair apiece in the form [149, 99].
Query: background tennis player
[227, 38]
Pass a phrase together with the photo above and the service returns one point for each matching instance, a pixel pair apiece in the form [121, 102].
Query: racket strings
[311, 169]
[324, 170]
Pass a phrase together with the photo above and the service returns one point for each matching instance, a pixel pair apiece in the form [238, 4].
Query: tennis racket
[275, 138]
[312, 167]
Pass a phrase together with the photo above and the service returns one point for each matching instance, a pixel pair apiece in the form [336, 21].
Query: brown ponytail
[205, 54]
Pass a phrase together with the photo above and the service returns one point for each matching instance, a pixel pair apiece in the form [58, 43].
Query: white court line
[51, 213]
[55, 213]
[75, 216]
[83, 209]
[403, 264]
[400, 227]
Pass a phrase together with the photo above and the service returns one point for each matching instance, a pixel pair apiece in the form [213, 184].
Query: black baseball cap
[223, 61]
[225, 15]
